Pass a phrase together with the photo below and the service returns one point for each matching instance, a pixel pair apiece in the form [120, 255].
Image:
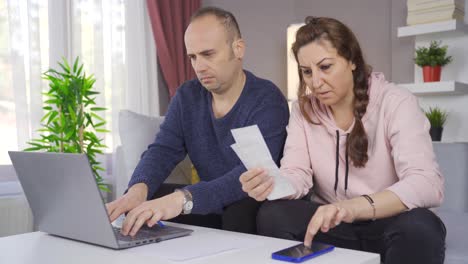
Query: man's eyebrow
[203, 52]
[207, 51]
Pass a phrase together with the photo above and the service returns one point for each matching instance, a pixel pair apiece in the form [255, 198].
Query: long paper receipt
[252, 150]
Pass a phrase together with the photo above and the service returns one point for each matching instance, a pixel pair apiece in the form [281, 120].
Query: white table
[41, 248]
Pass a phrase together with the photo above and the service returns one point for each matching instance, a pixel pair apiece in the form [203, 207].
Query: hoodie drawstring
[337, 159]
[347, 167]
[337, 164]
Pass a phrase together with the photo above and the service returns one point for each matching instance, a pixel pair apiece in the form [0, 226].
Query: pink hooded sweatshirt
[401, 157]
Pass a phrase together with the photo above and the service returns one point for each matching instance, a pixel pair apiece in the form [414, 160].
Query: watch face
[188, 206]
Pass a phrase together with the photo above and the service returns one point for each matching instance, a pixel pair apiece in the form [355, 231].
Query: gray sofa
[457, 237]
[453, 161]
[136, 133]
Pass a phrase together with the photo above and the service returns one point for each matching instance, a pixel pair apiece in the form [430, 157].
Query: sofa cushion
[457, 236]
[136, 133]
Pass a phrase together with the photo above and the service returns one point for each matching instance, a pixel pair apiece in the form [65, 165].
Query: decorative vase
[431, 73]
[436, 133]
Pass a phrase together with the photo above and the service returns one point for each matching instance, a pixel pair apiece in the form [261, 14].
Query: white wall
[263, 24]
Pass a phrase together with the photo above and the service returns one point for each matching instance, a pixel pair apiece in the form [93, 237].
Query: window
[98, 37]
[91, 29]
[114, 41]
[15, 46]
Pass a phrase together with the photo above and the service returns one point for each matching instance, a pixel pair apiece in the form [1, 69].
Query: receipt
[253, 151]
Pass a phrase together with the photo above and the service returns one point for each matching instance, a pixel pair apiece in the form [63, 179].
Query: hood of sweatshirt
[323, 115]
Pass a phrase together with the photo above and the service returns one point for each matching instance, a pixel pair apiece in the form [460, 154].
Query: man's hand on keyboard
[135, 196]
[150, 212]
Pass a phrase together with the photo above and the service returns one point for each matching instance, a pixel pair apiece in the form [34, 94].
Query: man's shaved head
[226, 19]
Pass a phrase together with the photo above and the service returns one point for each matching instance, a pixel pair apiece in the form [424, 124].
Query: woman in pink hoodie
[361, 146]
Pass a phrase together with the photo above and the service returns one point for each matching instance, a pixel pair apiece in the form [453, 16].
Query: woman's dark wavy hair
[347, 46]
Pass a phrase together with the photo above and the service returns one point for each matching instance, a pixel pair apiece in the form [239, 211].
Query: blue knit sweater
[190, 127]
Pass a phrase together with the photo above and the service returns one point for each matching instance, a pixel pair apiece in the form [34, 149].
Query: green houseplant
[437, 118]
[70, 123]
[432, 59]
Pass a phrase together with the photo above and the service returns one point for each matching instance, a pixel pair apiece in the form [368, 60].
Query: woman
[362, 146]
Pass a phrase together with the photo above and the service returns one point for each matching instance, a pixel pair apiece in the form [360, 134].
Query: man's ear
[238, 46]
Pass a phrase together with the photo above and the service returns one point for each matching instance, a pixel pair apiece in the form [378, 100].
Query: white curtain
[113, 39]
[142, 95]
[98, 38]
[21, 64]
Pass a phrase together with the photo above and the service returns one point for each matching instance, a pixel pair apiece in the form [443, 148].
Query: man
[198, 123]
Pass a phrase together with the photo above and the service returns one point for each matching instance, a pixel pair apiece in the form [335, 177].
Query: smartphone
[299, 253]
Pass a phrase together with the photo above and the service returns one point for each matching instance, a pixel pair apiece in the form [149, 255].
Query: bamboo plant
[71, 121]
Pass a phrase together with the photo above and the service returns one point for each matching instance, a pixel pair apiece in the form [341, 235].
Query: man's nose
[199, 65]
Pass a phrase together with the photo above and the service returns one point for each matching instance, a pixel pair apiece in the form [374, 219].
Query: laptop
[65, 201]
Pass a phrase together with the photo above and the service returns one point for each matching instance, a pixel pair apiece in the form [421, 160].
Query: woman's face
[328, 75]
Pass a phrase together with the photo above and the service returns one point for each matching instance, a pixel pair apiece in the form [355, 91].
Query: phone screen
[301, 251]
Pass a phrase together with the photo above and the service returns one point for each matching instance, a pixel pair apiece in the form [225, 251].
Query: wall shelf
[437, 88]
[443, 26]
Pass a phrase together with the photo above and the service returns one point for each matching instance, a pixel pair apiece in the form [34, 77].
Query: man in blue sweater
[198, 123]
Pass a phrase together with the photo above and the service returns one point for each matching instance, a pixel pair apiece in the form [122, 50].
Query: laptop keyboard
[144, 233]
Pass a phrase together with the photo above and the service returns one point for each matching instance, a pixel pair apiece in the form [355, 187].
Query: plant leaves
[72, 113]
[45, 116]
[433, 55]
[52, 116]
[99, 124]
[104, 188]
[98, 117]
[79, 70]
[102, 130]
[75, 65]
[32, 149]
[98, 109]
[99, 168]
[64, 68]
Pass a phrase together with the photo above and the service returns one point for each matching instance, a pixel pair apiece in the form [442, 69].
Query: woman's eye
[325, 67]
[307, 72]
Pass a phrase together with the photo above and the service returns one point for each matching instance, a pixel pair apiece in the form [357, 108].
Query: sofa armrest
[119, 171]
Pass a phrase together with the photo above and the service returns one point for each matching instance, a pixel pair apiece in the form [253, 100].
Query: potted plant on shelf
[437, 118]
[432, 60]
[71, 122]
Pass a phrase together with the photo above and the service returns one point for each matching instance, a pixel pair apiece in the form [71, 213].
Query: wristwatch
[188, 201]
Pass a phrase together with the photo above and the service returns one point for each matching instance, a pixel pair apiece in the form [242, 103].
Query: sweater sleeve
[421, 183]
[213, 196]
[295, 164]
[164, 153]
